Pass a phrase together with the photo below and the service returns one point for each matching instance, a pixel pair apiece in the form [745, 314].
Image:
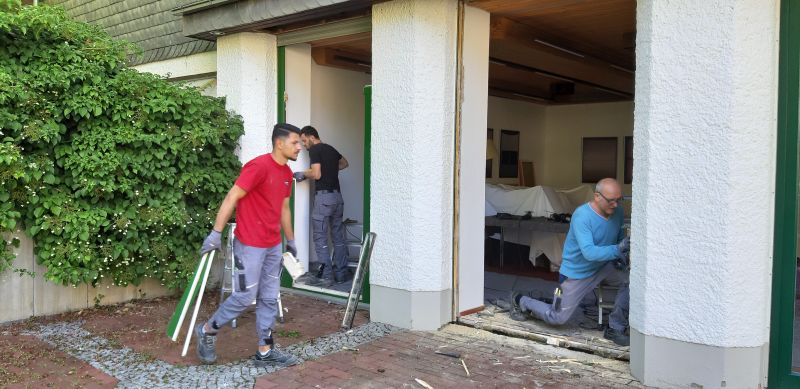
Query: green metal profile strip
[784, 267]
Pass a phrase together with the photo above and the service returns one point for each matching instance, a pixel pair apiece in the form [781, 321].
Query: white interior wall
[551, 136]
[529, 120]
[567, 125]
[337, 112]
[298, 112]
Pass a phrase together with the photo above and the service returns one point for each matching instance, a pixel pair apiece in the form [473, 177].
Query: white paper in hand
[293, 265]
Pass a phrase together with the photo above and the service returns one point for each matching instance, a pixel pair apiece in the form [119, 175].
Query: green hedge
[116, 174]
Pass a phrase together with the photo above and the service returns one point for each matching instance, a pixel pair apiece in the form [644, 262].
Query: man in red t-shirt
[261, 199]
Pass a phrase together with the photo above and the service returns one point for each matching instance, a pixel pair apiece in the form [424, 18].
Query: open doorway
[333, 71]
[560, 117]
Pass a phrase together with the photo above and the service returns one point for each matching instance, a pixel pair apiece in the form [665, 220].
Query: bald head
[607, 196]
[607, 183]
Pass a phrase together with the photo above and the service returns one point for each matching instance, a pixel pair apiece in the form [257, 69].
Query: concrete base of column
[411, 310]
[669, 363]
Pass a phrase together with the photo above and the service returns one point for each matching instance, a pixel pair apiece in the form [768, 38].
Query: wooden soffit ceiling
[541, 51]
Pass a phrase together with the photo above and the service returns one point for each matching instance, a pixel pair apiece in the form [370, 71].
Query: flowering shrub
[116, 174]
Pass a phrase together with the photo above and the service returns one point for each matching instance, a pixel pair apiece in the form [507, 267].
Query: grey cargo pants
[573, 291]
[327, 217]
[258, 279]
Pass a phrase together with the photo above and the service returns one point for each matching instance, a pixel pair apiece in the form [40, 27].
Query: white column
[705, 131]
[298, 112]
[247, 76]
[475, 59]
[413, 111]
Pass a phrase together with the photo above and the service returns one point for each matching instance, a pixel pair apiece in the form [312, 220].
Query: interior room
[340, 70]
[560, 117]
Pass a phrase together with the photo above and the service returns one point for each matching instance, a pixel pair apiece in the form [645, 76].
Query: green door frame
[286, 280]
[784, 265]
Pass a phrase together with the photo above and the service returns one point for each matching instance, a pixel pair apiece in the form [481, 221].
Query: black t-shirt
[328, 159]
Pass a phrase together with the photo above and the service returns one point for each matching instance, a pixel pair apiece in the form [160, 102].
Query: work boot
[206, 345]
[314, 271]
[320, 282]
[345, 276]
[518, 313]
[617, 337]
[274, 357]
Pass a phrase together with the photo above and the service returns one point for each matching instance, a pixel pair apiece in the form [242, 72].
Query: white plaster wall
[298, 112]
[337, 112]
[413, 49]
[472, 194]
[529, 120]
[187, 66]
[705, 123]
[247, 75]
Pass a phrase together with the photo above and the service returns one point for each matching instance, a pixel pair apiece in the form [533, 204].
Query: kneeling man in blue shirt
[595, 243]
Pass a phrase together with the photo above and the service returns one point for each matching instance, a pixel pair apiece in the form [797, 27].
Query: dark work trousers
[327, 217]
[573, 292]
[258, 280]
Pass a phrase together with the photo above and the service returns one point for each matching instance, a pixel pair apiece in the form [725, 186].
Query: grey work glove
[212, 242]
[290, 247]
[624, 246]
[299, 176]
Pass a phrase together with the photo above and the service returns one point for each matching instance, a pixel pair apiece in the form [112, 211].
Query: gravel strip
[134, 370]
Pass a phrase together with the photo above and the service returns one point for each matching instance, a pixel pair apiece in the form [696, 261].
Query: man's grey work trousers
[572, 293]
[258, 278]
[327, 217]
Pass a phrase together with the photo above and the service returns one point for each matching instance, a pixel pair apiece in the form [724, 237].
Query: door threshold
[574, 338]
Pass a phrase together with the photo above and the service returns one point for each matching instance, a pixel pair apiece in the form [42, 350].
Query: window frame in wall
[598, 158]
[509, 154]
[489, 143]
[628, 176]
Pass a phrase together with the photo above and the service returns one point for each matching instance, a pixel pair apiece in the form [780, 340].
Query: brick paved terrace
[126, 346]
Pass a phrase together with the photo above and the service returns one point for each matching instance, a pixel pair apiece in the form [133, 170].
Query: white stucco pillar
[247, 75]
[472, 193]
[413, 100]
[298, 112]
[705, 131]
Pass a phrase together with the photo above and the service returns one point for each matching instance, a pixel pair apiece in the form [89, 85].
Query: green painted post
[367, 174]
[785, 251]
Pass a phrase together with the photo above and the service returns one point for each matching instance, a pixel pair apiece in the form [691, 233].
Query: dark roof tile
[148, 23]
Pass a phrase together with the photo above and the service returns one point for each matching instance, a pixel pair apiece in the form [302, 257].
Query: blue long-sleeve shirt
[591, 242]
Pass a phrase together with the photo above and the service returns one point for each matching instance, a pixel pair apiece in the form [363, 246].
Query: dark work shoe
[274, 357]
[206, 345]
[342, 278]
[320, 282]
[517, 312]
[617, 337]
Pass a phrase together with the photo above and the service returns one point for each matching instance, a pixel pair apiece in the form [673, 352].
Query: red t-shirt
[258, 214]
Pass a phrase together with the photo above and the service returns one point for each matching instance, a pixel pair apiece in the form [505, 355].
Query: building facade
[705, 117]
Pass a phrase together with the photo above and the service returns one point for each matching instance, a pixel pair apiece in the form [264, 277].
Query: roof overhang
[208, 19]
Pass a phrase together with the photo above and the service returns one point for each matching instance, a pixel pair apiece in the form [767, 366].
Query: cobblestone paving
[135, 370]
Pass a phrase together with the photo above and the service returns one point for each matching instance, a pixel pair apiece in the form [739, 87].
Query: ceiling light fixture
[557, 47]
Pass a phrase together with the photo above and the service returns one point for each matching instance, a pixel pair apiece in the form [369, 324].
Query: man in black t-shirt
[328, 209]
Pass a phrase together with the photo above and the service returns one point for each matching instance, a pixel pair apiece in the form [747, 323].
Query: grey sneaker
[274, 357]
[206, 345]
